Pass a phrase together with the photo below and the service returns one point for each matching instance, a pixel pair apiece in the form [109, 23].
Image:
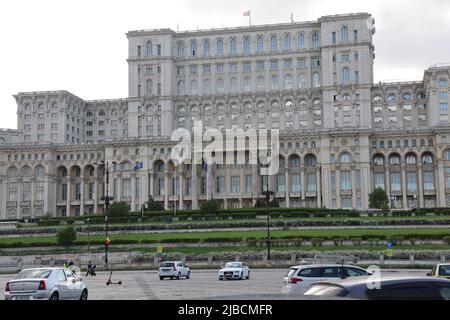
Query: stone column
[319, 188]
[166, 191]
[133, 192]
[338, 188]
[144, 187]
[404, 189]
[19, 197]
[46, 195]
[69, 196]
[420, 174]
[181, 189]
[210, 182]
[302, 183]
[82, 196]
[354, 196]
[194, 188]
[118, 196]
[387, 181]
[255, 186]
[287, 187]
[151, 184]
[33, 196]
[442, 201]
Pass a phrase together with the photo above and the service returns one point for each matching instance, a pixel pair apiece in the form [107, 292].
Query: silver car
[46, 283]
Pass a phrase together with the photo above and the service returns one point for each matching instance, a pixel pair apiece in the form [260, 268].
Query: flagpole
[175, 193]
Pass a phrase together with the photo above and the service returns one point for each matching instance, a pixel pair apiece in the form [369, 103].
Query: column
[151, 191]
[33, 196]
[82, 196]
[118, 196]
[166, 191]
[144, 187]
[419, 167]
[387, 181]
[133, 192]
[303, 183]
[19, 197]
[354, 195]
[338, 188]
[287, 187]
[69, 196]
[319, 188]
[441, 200]
[255, 186]
[46, 195]
[181, 189]
[365, 185]
[210, 182]
[404, 190]
[3, 199]
[96, 197]
[194, 188]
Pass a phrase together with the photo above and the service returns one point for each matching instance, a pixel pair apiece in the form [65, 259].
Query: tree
[152, 205]
[378, 198]
[66, 236]
[210, 206]
[118, 209]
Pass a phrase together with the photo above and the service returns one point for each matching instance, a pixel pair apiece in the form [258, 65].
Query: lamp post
[268, 195]
[106, 198]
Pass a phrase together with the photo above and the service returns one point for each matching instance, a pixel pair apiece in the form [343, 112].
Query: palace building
[341, 134]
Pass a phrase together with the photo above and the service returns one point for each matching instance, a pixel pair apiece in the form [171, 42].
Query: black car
[383, 289]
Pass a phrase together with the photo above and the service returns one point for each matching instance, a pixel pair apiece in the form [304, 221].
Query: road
[144, 285]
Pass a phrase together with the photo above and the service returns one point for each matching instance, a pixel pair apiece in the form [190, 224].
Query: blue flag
[138, 166]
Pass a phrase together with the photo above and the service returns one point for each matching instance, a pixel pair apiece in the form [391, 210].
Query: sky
[80, 46]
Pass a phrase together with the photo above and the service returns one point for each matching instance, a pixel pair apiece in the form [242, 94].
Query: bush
[118, 209]
[210, 206]
[356, 241]
[446, 239]
[338, 241]
[412, 241]
[48, 223]
[152, 205]
[317, 242]
[66, 236]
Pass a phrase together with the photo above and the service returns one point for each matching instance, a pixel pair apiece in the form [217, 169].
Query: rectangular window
[161, 186]
[346, 184]
[443, 95]
[273, 64]
[64, 192]
[260, 65]
[219, 67]
[247, 66]
[311, 182]
[302, 63]
[395, 181]
[281, 183]
[443, 106]
[358, 181]
[206, 68]
[194, 69]
[355, 35]
[428, 183]
[378, 180]
[295, 183]
[333, 37]
[203, 186]
[411, 179]
[220, 185]
[126, 188]
[356, 76]
[189, 186]
[233, 67]
[235, 184]
[287, 63]
[248, 183]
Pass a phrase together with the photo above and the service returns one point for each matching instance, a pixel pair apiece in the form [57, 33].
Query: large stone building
[341, 134]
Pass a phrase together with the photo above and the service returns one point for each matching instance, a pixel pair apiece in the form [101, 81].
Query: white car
[299, 278]
[234, 270]
[173, 269]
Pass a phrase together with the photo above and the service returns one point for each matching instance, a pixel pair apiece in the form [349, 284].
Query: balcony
[311, 194]
[11, 203]
[38, 203]
[25, 204]
[295, 194]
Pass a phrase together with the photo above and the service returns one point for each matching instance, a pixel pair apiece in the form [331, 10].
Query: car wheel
[188, 275]
[248, 275]
[179, 276]
[54, 296]
[161, 278]
[84, 295]
[221, 279]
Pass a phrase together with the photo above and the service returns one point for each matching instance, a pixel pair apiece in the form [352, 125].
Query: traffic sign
[390, 245]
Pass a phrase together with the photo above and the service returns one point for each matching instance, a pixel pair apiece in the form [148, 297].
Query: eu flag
[138, 166]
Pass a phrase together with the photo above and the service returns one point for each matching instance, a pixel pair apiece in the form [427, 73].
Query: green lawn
[323, 233]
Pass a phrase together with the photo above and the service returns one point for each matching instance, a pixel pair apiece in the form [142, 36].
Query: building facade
[341, 134]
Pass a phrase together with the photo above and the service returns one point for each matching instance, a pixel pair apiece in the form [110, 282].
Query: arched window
[206, 48]
[273, 43]
[427, 159]
[394, 160]
[12, 172]
[378, 161]
[443, 83]
[194, 87]
[180, 49]
[39, 172]
[288, 82]
[344, 34]
[102, 113]
[247, 84]
[233, 46]
[316, 80]
[392, 97]
[345, 158]
[315, 39]
[149, 87]
[345, 75]
[89, 114]
[301, 41]
[219, 47]
[274, 82]
[260, 44]
[246, 45]
[194, 48]
[411, 159]
[261, 83]
[295, 161]
[302, 81]
[25, 172]
[149, 49]
[310, 160]
[287, 42]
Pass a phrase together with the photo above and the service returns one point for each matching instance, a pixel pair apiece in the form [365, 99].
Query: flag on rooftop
[247, 13]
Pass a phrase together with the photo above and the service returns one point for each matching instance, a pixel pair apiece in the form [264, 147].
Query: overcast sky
[80, 46]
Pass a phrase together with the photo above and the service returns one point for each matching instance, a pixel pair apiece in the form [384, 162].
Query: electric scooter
[110, 282]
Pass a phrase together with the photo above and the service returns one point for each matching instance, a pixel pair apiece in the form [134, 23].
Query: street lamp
[106, 198]
[269, 195]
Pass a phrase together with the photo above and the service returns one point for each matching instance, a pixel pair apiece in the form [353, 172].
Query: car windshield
[233, 265]
[33, 274]
[444, 270]
[167, 264]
